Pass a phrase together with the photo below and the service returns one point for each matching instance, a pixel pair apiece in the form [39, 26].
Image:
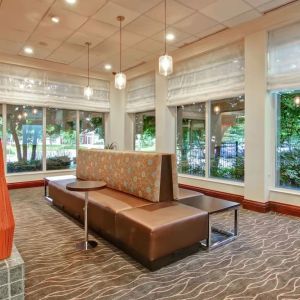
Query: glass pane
[60, 139]
[191, 139]
[227, 146]
[288, 141]
[92, 129]
[24, 138]
[145, 131]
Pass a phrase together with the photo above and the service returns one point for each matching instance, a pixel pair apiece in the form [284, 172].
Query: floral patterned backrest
[135, 173]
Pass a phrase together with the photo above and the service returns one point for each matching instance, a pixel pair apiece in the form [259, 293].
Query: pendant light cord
[165, 26]
[88, 64]
[120, 45]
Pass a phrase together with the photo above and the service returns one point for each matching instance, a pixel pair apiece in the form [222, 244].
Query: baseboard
[257, 206]
[213, 193]
[25, 184]
[286, 209]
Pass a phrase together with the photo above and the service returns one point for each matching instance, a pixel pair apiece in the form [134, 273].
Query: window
[190, 148]
[145, 131]
[60, 139]
[227, 139]
[92, 129]
[288, 141]
[24, 138]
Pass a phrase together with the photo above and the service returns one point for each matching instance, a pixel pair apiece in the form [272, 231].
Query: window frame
[208, 105]
[44, 123]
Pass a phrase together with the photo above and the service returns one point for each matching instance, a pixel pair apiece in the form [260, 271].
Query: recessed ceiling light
[107, 67]
[170, 37]
[28, 50]
[55, 19]
[71, 1]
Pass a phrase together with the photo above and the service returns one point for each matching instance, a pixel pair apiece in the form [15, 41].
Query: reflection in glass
[288, 141]
[60, 139]
[92, 129]
[145, 131]
[24, 138]
[227, 144]
[190, 148]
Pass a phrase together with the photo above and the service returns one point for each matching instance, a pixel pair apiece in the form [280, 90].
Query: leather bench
[138, 211]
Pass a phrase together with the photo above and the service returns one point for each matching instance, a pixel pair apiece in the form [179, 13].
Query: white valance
[213, 75]
[141, 93]
[42, 88]
[284, 57]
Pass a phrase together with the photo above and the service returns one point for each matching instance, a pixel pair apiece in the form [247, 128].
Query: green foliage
[236, 172]
[289, 142]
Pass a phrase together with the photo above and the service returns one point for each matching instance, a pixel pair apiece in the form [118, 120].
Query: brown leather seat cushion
[103, 205]
[156, 230]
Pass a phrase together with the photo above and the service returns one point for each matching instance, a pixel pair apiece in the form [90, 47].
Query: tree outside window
[145, 131]
[24, 138]
[288, 141]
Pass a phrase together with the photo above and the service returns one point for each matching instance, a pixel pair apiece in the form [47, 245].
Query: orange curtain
[7, 222]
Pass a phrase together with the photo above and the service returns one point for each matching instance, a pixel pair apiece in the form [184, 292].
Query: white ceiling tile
[196, 4]
[95, 59]
[137, 5]
[98, 28]
[67, 53]
[109, 46]
[10, 47]
[256, 3]
[195, 23]
[44, 44]
[68, 19]
[273, 4]
[80, 38]
[128, 38]
[110, 11]
[224, 10]
[179, 36]
[175, 12]
[85, 8]
[51, 32]
[13, 34]
[187, 41]
[210, 30]
[145, 26]
[150, 46]
[245, 17]
[23, 15]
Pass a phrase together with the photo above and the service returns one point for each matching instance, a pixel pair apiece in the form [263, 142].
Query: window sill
[40, 172]
[225, 182]
[285, 191]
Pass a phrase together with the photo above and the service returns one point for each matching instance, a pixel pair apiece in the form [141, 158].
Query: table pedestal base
[86, 245]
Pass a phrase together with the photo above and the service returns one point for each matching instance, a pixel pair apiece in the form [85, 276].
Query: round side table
[86, 187]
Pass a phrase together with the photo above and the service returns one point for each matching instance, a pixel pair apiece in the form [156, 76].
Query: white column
[165, 117]
[116, 128]
[257, 119]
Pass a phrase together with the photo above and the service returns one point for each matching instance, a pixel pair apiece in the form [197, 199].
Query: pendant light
[88, 91]
[165, 61]
[120, 78]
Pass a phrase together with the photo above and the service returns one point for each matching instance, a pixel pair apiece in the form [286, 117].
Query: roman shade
[284, 57]
[217, 74]
[141, 93]
[44, 88]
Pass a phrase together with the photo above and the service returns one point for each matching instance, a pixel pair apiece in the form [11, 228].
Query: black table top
[210, 204]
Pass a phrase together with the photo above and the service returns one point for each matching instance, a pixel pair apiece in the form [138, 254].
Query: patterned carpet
[264, 263]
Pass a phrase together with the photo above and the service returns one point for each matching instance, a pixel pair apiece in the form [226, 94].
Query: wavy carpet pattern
[264, 263]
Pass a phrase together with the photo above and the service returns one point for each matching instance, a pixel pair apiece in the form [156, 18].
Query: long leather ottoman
[154, 232]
